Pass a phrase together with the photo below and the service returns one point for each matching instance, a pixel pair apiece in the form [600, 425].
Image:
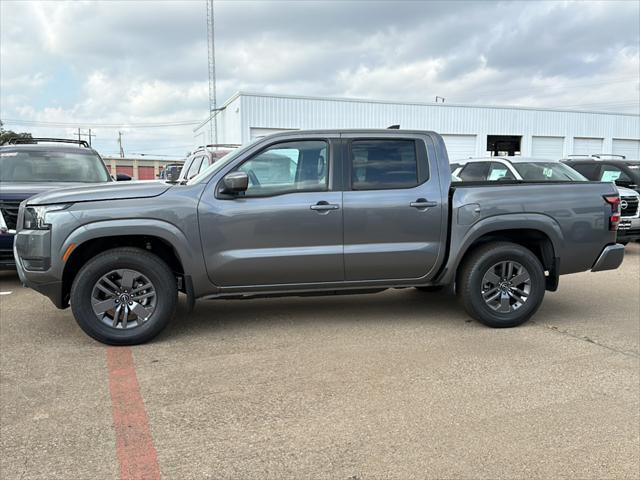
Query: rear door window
[612, 173]
[194, 168]
[205, 163]
[383, 164]
[588, 170]
[499, 171]
[475, 172]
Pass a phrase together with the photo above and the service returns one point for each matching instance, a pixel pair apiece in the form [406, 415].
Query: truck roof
[38, 147]
[368, 131]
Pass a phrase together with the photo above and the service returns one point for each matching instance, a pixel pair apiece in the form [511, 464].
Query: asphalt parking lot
[395, 385]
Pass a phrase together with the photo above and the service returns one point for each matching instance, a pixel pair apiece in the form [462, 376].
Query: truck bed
[573, 215]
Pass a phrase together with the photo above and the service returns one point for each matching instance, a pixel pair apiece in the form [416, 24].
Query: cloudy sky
[138, 65]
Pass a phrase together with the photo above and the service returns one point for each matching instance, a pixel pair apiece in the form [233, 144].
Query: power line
[151, 154]
[44, 123]
[175, 147]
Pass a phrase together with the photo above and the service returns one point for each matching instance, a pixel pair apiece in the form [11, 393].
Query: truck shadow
[404, 306]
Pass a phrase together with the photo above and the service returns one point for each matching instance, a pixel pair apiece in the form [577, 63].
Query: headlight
[35, 218]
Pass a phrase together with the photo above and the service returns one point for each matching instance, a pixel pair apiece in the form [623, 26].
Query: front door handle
[422, 203]
[323, 206]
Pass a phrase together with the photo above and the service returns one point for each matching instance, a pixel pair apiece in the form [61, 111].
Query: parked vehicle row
[315, 212]
[35, 165]
[626, 175]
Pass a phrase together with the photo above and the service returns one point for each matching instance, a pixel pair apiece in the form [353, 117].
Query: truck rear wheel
[501, 284]
[124, 296]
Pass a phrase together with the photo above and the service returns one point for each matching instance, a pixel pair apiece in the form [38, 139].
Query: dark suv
[29, 166]
[626, 175]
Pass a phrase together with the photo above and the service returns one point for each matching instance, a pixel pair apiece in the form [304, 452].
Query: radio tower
[213, 124]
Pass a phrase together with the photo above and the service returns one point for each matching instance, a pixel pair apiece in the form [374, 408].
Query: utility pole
[211, 50]
[120, 144]
[80, 135]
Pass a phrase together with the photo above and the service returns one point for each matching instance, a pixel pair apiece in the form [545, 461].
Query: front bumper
[35, 249]
[6, 252]
[629, 230]
[610, 258]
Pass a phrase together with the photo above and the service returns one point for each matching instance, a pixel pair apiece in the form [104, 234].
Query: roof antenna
[394, 127]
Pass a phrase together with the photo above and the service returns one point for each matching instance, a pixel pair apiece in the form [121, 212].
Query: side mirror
[235, 182]
[172, 175]
[122, 177]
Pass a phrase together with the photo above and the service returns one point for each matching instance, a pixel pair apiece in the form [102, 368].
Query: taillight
[614, 218]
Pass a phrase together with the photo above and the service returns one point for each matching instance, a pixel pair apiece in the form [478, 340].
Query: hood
[21, 191]
[96, 192]
[626, 192]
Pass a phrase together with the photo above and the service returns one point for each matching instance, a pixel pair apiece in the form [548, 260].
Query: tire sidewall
[145, 263]
[488, 260]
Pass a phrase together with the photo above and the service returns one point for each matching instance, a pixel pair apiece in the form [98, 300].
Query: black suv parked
[625, 173]
[34, 165]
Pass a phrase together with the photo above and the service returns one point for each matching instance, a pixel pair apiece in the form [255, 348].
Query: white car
[513, 169]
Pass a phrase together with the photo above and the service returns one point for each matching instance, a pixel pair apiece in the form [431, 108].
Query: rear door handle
[323, 206]
[422, 203]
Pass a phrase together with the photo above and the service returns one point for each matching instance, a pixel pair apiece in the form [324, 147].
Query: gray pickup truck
[312, 212]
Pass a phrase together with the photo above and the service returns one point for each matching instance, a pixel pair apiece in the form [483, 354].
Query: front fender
[463, 236]
[147, 227]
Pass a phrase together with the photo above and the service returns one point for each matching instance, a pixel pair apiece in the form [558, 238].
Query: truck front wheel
[124, 296]
[501, 284]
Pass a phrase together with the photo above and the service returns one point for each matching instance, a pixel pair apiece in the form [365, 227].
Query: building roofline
[144, 159]
[241, 93]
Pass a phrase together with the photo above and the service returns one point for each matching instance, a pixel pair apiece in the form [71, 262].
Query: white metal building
[468, 130]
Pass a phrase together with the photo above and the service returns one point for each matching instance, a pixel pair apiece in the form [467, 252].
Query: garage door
[125, 169]
[587, 146]
[629, 148]
[547, 147]
[460, 146]
[146, 173]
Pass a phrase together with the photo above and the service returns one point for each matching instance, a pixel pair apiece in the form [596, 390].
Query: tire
[143, 312]
[431, 288]
[483, 268]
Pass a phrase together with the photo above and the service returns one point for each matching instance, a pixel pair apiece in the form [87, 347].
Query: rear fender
[462, 237]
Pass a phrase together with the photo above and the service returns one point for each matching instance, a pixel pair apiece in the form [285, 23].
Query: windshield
[218, 164]
[547, 172]
[48, 166]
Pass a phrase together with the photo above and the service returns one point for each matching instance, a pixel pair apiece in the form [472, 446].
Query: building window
[500, 145]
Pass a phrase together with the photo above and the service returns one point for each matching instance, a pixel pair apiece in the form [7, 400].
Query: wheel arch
[161, 238]
[538, 233]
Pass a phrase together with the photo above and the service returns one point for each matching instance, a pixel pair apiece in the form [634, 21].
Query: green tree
[6, 135]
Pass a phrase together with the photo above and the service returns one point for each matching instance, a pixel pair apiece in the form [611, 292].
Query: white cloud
[139, 61]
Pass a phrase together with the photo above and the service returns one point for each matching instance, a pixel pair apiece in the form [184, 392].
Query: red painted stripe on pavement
[134, 444]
